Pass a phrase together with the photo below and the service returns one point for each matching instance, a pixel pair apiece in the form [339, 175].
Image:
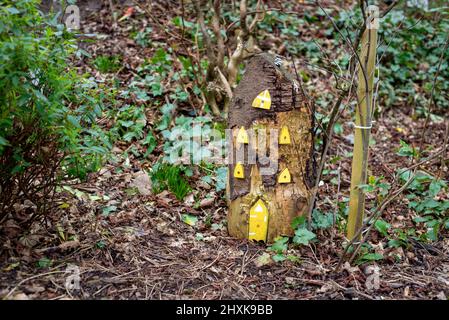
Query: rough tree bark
[283, 201]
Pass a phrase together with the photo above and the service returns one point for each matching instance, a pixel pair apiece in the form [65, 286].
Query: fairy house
[270, 166]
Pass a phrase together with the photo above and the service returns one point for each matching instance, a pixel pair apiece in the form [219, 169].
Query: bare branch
[217, 31]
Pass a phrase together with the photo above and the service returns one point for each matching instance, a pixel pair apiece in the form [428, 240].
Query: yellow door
[258, 221]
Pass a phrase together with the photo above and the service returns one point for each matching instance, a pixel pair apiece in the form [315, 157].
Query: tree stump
[271, 166]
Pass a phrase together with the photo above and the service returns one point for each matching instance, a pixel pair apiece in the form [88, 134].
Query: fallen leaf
[128, 13]
[69, 245]
[207, 202]
[142, 182]
[189, 200]
[441, 296]
[189, 219]
[20, 296]
[263, 260]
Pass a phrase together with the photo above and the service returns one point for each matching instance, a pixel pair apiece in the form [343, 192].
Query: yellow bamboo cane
[366, 69]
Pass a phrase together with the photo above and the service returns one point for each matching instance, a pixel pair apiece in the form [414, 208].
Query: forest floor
[143, 249]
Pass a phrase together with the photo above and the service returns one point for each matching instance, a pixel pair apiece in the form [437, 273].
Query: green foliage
[401, 238]
[433, 212]
[382, 226]
[149, 77]
[366, 254]
[221, 178]
[190, 28]
[376, 186]
[369, 257]
[44, 263]
[170, 177]
[279, 247]
[131, 126]
[298, 222]
[130, 122]
[47, 111]
[303, 236]
[423, 198]
[142, 37]
[411, 44]
[321, 220]
[106, 211]
[411, 53]
[406, 150]
[107, 64]
[183, 141]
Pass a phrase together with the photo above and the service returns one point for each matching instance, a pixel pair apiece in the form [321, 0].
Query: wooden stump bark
[262, 206]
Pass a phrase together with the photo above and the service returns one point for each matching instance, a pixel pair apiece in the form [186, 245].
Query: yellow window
[263, 100]
[239, 171]
[284, 137]
[242, 136]
[284, 176]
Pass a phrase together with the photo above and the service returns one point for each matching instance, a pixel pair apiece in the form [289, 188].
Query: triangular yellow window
[263, 100]
[284, 176]
[258, 221]
[242, 136]
[284, 137]
[239, 171]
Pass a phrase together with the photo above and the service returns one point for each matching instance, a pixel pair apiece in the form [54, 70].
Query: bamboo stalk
[362, 130]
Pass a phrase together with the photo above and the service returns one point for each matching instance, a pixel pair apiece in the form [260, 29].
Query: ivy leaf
[298, 222]
[13, 10]
[107, 210]
[221, 177]
[279, 245]
[322, 220]
[278, 257]
[189, 219]
[293, 258]
[303, 236]
[199, 236]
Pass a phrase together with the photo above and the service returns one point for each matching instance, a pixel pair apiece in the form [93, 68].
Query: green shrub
[48, 112]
